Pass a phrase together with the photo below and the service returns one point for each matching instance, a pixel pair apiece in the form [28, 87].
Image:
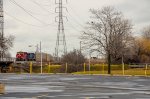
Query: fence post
[30, 67]
[10, 68]
[20, 68]
[66, 68]
[49, 67]
[2, 88]
[89, 62]
[84, 67]
[123, 68]
[103, 68]
[146, 70]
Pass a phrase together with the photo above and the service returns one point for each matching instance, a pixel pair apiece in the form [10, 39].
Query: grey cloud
[137, 10]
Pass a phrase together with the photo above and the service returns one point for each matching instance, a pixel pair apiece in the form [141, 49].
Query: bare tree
[108, 33]
[132, 54]
[75, 60]
[5, 44]
[140, 50]
[146, 32]
[142, 45]
[74, 57]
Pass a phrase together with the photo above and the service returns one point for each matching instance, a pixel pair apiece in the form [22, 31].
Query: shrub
[53, 69]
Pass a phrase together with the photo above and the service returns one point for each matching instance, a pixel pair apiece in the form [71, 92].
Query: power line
[78, 17]
[35, 13]
[75, 20]
[81, 19]
[14, 2]
[41, 6]
[26, 22]
[74, 27]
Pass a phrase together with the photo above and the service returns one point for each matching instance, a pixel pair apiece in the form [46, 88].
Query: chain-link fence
[119, 69]
[116, 69]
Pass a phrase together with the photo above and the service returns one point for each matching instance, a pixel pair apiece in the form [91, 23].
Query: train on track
[26, 56]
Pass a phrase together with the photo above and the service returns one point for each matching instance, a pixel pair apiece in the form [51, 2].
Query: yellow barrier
[66, 68]
[84, 67]
[146, 70]
[49, 67]
[30, 67]
[123, 69]
[2, 88]
[103, 68]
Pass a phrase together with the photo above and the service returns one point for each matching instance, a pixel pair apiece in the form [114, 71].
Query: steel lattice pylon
[1, 19]
[61, 47]
[1, 28]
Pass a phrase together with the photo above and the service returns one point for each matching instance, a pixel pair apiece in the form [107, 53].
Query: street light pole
[122, 65]
[41, 56]
[80, 46]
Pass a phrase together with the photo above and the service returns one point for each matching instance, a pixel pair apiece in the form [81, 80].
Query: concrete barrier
[2, 88]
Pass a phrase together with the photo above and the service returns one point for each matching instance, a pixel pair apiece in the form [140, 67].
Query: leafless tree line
[109, 33]
[142, 46]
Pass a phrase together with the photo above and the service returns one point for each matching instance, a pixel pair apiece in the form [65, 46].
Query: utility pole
[61, 48]
[41, 57]
[80, 47]
[1, 19]
[89, 62]
[1, 30]
[37, 48]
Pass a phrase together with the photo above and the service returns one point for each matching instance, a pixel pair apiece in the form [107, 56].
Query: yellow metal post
[30, 67]
[89, 64]
[146, 70]
[66, 68]
[49, 67]
[10, 68]
[103, 68]
[2, 89]
[84, 67]
[123, 69]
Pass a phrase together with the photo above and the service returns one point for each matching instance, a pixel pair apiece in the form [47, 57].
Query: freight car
[45, 57]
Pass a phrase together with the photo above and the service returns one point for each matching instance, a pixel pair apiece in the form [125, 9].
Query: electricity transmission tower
[61, 48]
[1, 29]
[1, 18]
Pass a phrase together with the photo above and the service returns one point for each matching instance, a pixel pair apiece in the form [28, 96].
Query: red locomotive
[25, 56]
[21, 56]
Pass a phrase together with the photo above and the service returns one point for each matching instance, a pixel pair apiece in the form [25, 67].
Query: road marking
[43, 95]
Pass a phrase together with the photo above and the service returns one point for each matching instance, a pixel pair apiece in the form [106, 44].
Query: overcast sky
[30, 31]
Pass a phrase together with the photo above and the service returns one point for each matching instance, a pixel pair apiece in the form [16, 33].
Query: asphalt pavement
[61, 86]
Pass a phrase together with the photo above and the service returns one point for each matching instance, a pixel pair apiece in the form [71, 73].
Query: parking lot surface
[44, 86]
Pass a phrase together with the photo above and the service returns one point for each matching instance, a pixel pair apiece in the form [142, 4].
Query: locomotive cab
[21, 56]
